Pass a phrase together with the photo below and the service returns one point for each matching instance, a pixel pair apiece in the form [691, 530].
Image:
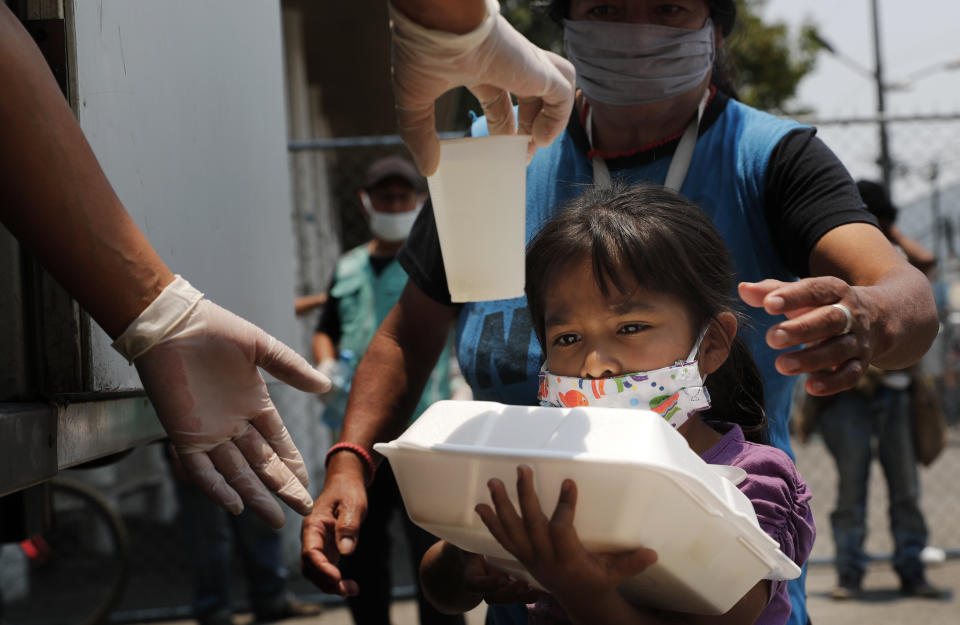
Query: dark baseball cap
[392, 167]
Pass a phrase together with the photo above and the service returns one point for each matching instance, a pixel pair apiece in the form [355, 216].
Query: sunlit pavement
[881, 603]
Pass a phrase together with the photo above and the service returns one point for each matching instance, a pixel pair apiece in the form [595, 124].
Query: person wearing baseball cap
[367, 283]
[876, 415]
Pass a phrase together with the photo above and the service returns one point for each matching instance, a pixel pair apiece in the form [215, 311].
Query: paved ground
[881, 604]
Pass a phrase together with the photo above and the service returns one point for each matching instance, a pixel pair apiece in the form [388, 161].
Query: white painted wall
[183, 103]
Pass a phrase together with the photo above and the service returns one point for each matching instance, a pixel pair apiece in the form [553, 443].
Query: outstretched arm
[894, 317]
[57, 201]
[384, 393]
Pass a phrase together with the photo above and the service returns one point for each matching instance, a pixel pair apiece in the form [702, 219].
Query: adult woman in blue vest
[652, 108]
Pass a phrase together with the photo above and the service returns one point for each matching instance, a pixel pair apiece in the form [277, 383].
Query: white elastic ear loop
[696, 346]
[367, 203]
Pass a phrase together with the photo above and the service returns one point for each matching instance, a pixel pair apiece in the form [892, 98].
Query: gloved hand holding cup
[492, 61]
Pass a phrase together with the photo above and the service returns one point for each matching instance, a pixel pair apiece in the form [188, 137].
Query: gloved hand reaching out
[492, 61]
[198, 364]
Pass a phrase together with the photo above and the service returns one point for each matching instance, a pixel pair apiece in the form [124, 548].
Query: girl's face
[590, 336]
[689, 14]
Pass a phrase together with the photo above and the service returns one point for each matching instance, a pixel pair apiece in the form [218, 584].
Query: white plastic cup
[479, 203]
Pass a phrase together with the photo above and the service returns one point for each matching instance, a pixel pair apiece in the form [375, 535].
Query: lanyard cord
[679, 164]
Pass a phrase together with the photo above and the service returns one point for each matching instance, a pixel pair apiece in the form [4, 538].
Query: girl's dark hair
[722, 12]
[667, 245]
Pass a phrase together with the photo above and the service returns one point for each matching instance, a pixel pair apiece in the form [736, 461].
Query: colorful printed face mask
[673, 392]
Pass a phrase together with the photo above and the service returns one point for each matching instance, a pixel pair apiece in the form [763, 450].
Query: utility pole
[932, 176]
[885, 164]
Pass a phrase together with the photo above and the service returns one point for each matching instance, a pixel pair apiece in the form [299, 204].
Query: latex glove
[198, 364]
[492, 61]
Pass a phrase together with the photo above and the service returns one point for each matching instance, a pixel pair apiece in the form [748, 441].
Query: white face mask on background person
[674, 392]
[627, 64]
[391, 227]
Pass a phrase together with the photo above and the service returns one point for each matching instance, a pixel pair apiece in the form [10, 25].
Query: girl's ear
[716, 342]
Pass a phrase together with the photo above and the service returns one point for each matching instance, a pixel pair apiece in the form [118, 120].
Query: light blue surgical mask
[629, 64]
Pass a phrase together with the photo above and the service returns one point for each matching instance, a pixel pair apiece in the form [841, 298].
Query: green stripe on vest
[365, 299]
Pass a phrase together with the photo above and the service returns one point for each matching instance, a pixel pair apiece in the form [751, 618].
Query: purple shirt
[780, 498]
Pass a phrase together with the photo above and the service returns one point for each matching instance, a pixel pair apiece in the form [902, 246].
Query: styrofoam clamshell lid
[635, 475]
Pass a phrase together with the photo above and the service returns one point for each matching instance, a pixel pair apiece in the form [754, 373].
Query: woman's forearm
[898, 301]
[903, 315]
[397, 363]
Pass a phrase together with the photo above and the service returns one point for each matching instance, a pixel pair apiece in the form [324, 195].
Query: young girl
[626, 283]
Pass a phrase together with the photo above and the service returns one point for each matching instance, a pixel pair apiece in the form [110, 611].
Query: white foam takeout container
[639, 484]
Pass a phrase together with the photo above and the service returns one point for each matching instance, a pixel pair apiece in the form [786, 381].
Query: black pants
[369, 565]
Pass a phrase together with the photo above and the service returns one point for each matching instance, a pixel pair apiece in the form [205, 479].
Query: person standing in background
[367, 284]
[877, 408]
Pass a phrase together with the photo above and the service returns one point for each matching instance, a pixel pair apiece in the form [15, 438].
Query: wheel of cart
[77, 570]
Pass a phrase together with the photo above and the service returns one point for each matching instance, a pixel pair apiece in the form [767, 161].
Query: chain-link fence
[925, 168]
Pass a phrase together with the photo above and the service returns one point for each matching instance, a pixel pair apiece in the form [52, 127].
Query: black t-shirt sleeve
[329, 321]
[420, 257]
[808, 193]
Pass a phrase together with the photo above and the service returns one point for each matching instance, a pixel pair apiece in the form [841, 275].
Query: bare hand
[331, 530]
[550, 548]
[835, 360]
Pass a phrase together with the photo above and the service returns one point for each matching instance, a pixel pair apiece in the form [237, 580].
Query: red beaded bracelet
[357, 449]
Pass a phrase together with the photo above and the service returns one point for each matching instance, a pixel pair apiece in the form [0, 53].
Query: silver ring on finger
[846, 311]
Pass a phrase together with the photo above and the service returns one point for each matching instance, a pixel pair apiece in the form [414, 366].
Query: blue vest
[498, 351]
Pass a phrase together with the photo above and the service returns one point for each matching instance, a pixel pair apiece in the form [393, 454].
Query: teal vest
[365, 299]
